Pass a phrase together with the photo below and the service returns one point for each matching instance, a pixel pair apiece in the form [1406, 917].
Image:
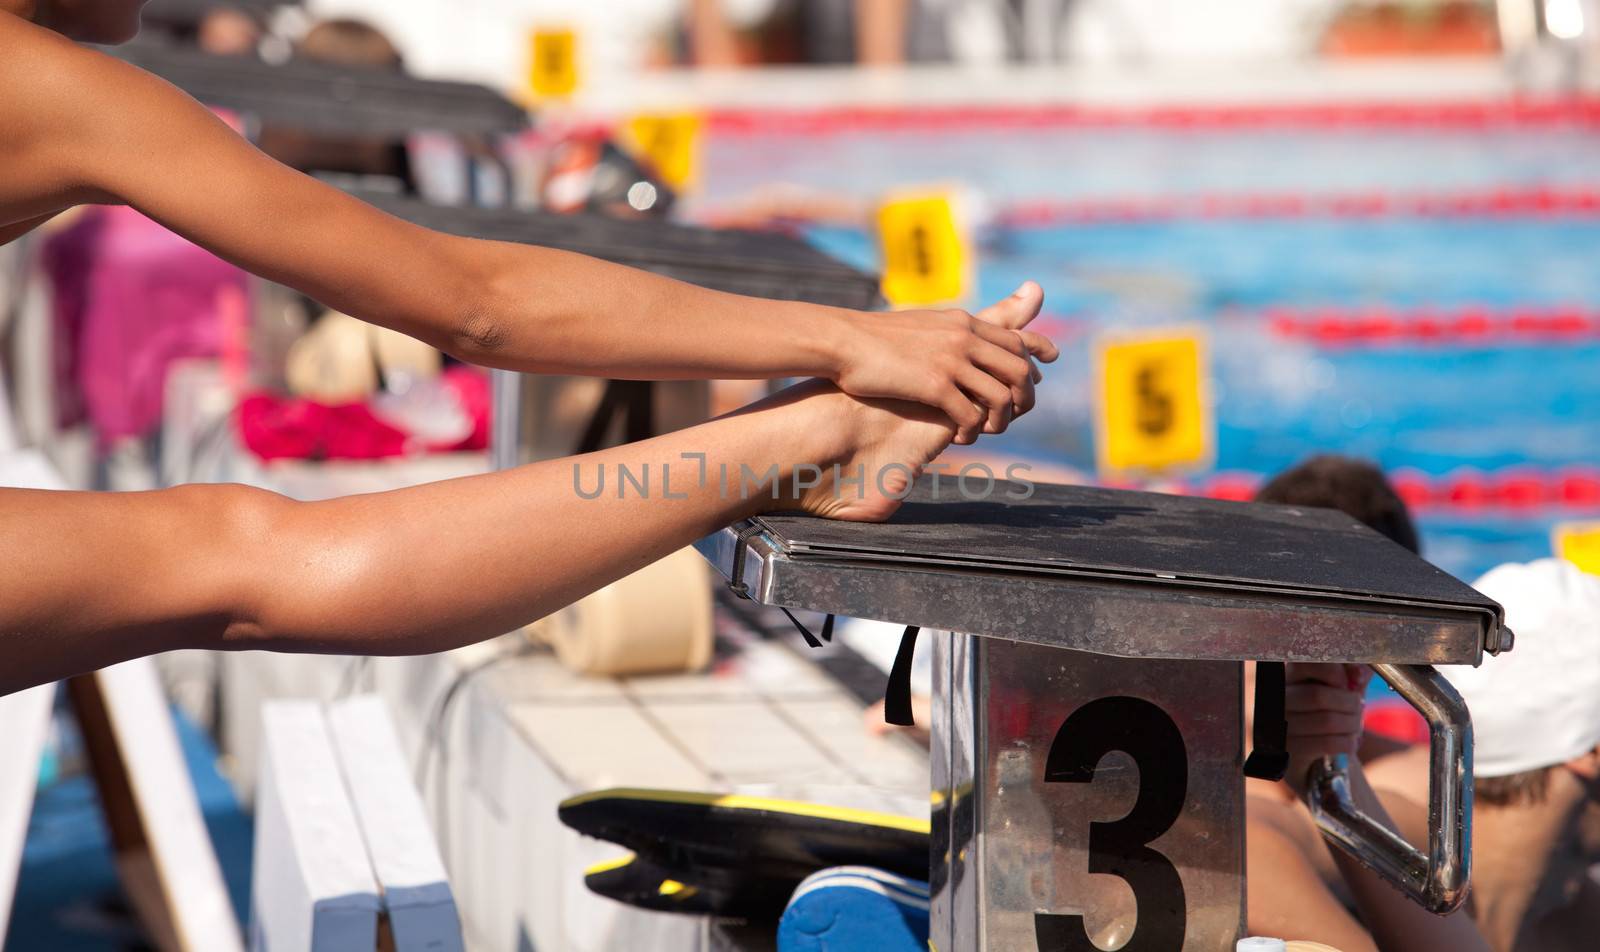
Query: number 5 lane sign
[1153, 412]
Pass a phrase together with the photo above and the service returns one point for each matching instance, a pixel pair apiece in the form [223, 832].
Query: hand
[1323, 703]
[977, 368]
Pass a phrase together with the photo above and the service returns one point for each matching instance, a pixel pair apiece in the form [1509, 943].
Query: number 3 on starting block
[553, 62]
[926, 258]
[1579, 543]
[1153, 414]
[1110, 806]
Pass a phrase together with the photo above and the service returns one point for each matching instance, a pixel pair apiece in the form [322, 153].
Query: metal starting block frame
[1105, 630]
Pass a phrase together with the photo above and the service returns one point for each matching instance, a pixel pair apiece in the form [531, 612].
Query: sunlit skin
[1531, 887]
[110, 577]
[1288, 897]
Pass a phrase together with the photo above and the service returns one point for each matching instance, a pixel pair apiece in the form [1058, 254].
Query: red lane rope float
[1345, 327]
[1396, 720]
[1531, 202]
[1514, 490]
[1580, 112]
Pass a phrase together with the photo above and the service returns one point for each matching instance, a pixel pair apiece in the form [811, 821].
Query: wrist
[824, 338]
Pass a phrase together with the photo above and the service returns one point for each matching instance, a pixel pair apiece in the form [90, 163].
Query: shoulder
[68, 111]
[31, 54]
[47, 82]
[1401, 784]
[43, 73]
[1271, 843]
[41, 82]
[1403, 772]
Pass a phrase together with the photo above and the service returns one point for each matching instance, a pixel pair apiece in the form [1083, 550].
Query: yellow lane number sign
[1153, 411]
[1579, 543]
[670, 143]
[553, 64]
[927, 258]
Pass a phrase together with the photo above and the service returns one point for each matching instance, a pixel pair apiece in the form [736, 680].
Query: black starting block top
[1126, 573]
[320, 97]
[760, 264]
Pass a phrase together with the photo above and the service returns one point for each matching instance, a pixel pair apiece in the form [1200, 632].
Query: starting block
[1089, 722]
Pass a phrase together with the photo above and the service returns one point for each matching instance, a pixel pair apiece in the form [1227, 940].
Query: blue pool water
[69, 898]
[1437, 408]
[1434, 408]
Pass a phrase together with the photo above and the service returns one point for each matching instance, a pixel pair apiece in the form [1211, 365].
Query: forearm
[436, 566]
[1397, 923]
[514, 306]
[113, 576]
[546, 311]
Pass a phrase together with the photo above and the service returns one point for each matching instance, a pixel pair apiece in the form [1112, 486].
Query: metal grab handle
[1438, 880]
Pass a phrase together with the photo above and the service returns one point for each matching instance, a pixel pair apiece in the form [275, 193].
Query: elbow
[245, 542]
[479, 337]
[479, 333]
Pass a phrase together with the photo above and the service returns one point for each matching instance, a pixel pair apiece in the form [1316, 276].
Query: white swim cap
[1539, 704]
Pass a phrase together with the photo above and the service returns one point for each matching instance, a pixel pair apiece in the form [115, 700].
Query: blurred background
[1265, 229]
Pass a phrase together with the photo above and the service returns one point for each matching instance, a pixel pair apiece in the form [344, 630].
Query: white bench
[344, 856]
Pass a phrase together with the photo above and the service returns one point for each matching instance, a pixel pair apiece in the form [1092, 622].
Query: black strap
[897, 699]
[634, 400]
[1269, 760]
[812, 640]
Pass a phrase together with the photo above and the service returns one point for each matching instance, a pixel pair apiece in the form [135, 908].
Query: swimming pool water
[1434, 407]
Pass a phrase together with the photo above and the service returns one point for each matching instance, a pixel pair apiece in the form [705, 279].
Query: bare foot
[884, 445]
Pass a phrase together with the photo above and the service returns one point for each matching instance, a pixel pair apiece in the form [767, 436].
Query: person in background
[1360, 490]
[1288, 896]
[1355, 487]
[349, 42]
[1536, 764]
[228, 31]
[355, 44]
[868, 32]
[1298, 886]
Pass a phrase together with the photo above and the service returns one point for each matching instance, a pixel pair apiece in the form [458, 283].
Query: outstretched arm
[84, 127]
[99, 578]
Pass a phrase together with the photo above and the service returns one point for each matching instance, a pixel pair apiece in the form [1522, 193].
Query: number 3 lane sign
[1153, 414]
